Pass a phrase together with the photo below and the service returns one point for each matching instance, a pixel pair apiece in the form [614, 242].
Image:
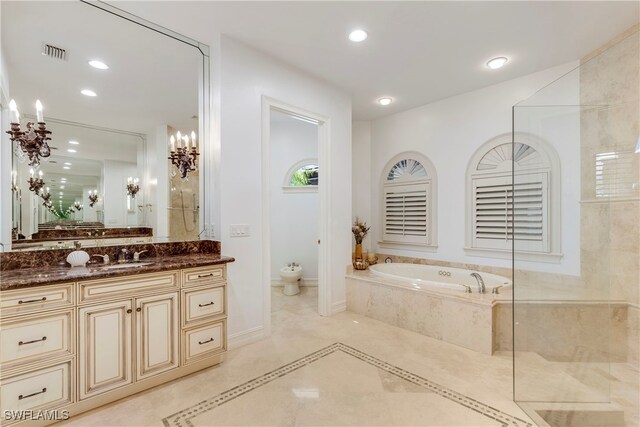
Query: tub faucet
[105, 258]
[478, 277]
[136, 255]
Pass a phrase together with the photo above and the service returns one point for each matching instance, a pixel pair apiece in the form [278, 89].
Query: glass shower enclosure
[574, 213]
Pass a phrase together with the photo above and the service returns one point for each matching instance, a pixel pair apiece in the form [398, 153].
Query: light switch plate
[240, 230]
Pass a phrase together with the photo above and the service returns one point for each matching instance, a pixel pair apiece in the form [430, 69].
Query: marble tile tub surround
[57, 257]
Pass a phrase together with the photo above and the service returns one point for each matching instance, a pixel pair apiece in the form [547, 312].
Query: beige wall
[610, 227]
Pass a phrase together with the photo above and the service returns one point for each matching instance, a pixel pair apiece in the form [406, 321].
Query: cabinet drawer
[45, 388]
[36, 299]
[36, 338]
[202, 303]
[203, 275]
[204, 341]
[126, 286]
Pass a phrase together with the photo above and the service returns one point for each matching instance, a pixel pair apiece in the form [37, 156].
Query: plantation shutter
[406, 213]
[503, 211]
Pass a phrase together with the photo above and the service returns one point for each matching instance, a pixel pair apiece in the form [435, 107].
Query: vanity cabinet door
[157, 334]
[105, 347]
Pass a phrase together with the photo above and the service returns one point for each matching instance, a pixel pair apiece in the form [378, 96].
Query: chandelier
[46, 197]
[78, 206]
[132, 187]
[35, 184]
[33, 141]
[93, 197]
[185, 156]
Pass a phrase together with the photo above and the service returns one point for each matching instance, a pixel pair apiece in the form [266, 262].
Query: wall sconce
[132, 187]
[46, 196]
[93, 198]
[185, 156]
[14, 181]
[35, 184]
[78, 206]
[32, 142]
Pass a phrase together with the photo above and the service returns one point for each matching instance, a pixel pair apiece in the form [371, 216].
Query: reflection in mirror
[103, 115]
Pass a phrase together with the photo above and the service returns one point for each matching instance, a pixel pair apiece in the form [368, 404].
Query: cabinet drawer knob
[139, 309]
[200, 276]
[204, 305]
[129, 311]
[32, 300]
[207, 341]
[44, 390]
[31, 342]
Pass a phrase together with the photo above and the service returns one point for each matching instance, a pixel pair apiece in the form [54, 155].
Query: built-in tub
[419, 276]
[431, 300]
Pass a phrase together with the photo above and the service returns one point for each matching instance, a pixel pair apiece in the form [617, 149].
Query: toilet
[291, 276]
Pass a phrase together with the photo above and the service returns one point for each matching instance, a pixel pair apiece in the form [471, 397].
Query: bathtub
[420, 276]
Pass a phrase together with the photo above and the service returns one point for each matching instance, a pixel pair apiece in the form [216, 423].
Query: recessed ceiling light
[67, 164]
[88, 92]
[98, 64]
[385, 100]
[66, 167]
[62, 187]
[358, 36]
[71, 150]
[61, 193]
[74, 142]
[496, 63]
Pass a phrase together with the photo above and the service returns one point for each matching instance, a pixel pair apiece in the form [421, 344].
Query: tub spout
[481, 287]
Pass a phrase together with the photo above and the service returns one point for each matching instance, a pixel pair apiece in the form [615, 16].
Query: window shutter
[615, 174]
[502, 211]
[406, 213]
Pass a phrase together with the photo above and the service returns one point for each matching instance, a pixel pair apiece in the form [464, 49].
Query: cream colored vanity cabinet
[77, 346]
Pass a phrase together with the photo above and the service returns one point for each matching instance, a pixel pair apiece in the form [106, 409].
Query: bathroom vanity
[75, 339]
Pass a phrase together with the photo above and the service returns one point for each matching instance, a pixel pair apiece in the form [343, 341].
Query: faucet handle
[136, 255]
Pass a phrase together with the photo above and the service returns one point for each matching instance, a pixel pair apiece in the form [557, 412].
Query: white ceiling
[417, 52]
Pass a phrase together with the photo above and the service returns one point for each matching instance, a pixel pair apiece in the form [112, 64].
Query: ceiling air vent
[54, 52]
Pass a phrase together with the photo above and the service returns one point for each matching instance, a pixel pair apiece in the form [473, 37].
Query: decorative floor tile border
[182, 418]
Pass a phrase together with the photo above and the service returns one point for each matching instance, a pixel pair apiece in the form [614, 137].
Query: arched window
[301, 177]
[409, 201]
[523, 206]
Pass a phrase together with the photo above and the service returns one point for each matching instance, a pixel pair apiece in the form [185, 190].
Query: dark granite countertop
[41, 276]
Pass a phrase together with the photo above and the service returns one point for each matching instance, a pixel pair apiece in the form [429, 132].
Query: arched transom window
[408, 201]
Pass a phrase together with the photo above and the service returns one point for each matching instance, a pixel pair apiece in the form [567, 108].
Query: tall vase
[358, 250]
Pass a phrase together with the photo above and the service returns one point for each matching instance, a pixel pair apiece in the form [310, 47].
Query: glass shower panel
[574, 218]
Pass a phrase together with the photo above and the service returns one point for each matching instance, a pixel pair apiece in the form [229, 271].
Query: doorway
[295, 202]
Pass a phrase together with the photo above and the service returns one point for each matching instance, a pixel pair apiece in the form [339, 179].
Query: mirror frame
[204, 108]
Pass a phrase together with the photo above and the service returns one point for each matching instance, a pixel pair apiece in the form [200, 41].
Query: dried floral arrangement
[359, 230]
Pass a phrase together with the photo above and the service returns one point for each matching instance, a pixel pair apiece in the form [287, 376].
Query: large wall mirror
[125, 103]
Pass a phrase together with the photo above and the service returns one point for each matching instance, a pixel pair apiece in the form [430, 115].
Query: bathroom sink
[121, 266]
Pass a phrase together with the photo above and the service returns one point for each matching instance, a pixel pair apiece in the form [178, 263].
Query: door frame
[323, 122]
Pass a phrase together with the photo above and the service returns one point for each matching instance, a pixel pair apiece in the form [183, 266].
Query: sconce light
[46, 196]
[14, 182]
[185, 156]
[35, 184]
[32, 142]
[93, 197]
[78, 206]
[132, 187]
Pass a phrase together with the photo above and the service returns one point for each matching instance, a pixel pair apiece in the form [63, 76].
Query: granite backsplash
[44, 258]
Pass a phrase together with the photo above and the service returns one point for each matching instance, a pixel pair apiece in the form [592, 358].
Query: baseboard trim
[338, 307]
[245, 337]
[309, 283]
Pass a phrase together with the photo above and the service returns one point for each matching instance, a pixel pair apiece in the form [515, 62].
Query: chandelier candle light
[93, 197]
[78, 206]
[32, 142]
[35, 184]
[184, 156]
[132, 187]
[46, 196]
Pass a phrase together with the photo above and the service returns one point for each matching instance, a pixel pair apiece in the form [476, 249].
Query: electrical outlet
[240, 230]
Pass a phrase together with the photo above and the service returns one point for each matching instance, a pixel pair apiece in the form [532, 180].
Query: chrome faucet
[478, 277]
[136, 255]
[122, 256]
[105, 258]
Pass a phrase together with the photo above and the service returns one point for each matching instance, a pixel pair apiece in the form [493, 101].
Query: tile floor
[342, 370]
